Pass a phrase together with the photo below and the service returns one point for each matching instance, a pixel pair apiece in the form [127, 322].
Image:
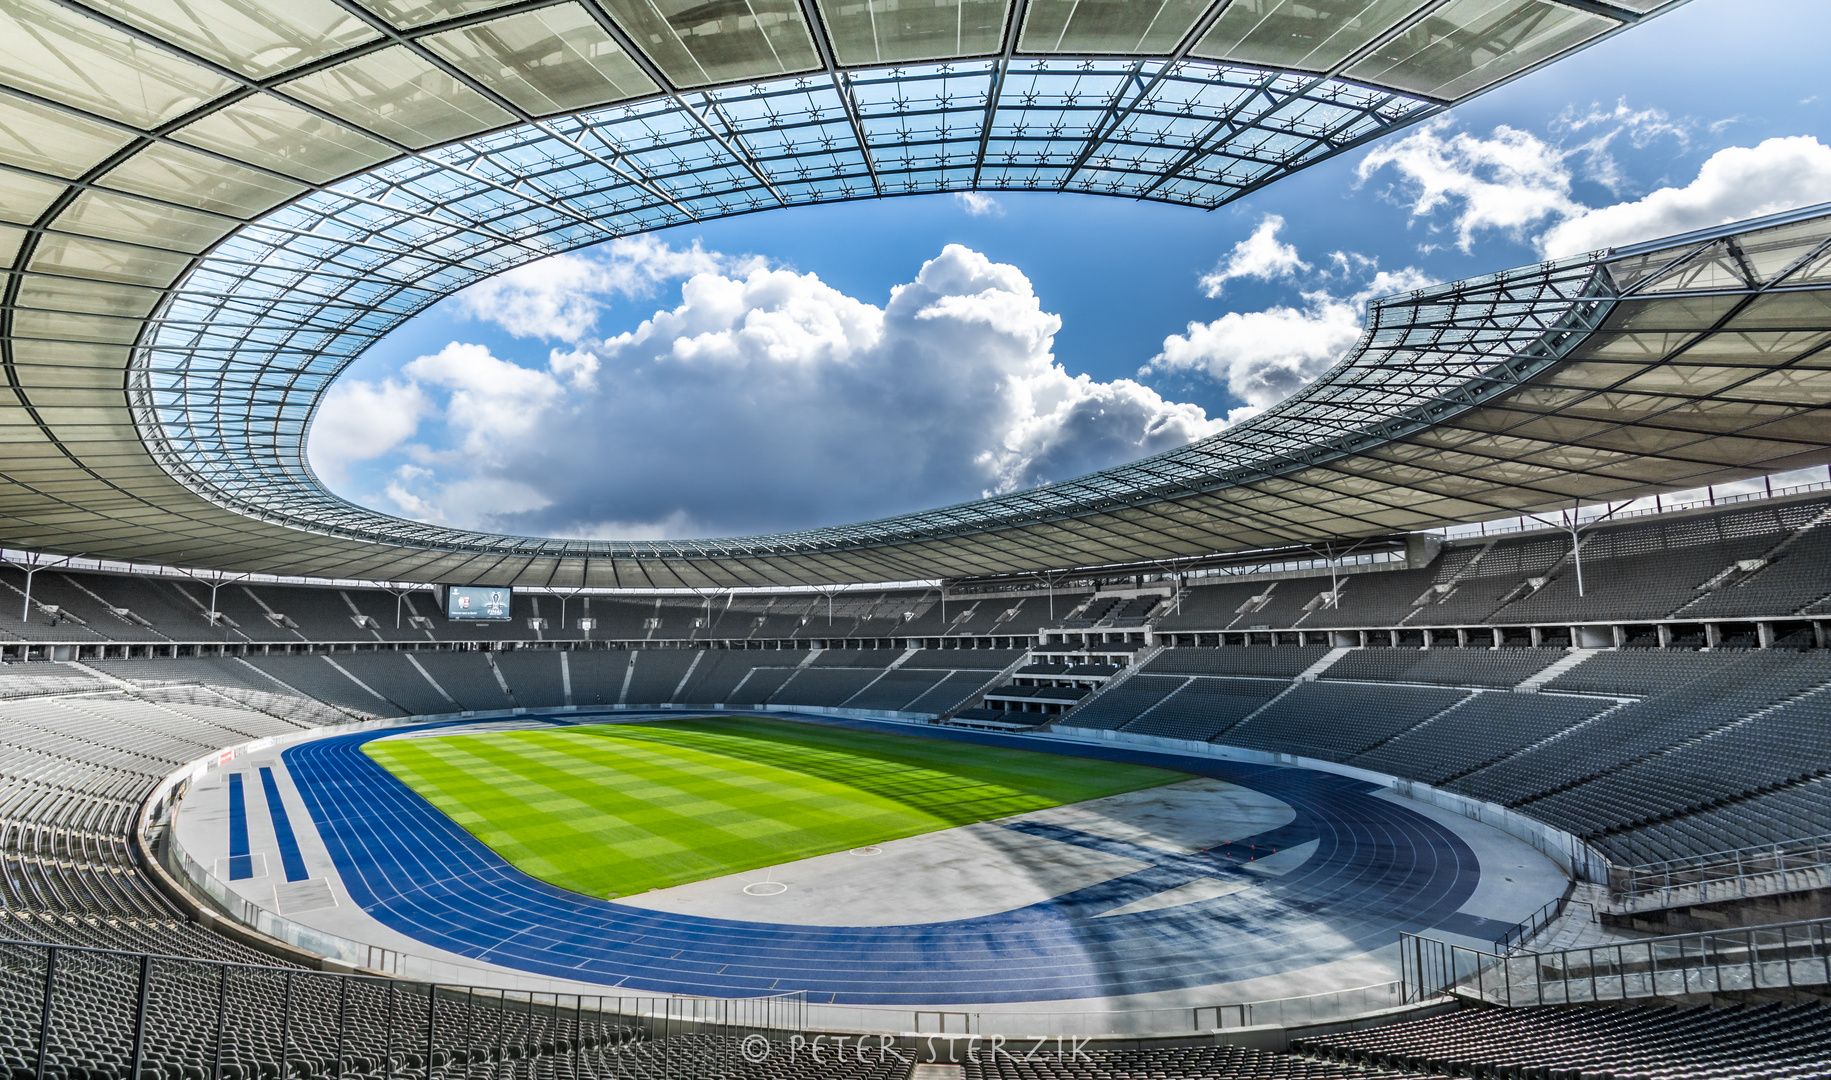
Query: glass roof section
[208, 207]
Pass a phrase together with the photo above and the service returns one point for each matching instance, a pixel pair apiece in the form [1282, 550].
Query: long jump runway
[1378, 868]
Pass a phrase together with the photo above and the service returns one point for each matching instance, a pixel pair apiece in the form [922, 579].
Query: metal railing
[1017, 1023]
[1524, 930]
[1750, 871]
[68, 1012]
[1786, 956]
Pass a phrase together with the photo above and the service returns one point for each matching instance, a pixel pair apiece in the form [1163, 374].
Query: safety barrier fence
[1724, 875]
[1785, 956]
[70, 1013]
[1016, 1023]
[1522, 931]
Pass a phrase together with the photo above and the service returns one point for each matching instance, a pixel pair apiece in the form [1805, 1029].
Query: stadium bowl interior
[1307, 749]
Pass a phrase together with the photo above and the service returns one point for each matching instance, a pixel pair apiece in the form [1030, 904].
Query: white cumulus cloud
[559, 298]
[1511, 181]
[1263, 357]
[766, 399]
[978, 204]
[1517, 183]
[359, 420]
[1734, 183]
[1261, 255]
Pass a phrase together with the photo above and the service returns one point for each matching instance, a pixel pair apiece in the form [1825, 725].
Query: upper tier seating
[1497, 668]
[1648, 568]
[1285, 661]
[1768, 561]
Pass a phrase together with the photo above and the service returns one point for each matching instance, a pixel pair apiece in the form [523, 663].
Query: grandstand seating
[1689, 710]
[1193, 1062]
[1335, 721]
[1499, 668]
[245, 1023]
[1646, 753]
[1124, 702]
[1203, 707]
[1481, 730]
[1649, 754]
[1250, 660]
[76, 770]
[1757, 562]
[1666, 566]
[1771, 1041]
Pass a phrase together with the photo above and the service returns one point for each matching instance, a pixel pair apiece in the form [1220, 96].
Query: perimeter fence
[69, 1013]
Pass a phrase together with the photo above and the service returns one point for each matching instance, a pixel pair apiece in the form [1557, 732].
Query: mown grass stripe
[621, 808]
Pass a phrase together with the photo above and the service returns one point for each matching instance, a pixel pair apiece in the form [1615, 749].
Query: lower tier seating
[1771, 1041]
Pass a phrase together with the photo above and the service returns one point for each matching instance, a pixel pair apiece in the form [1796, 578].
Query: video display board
[472, 603]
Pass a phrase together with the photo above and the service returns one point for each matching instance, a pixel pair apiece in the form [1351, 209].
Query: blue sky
[755, 374]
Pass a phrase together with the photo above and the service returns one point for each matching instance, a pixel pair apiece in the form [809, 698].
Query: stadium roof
[212, 206]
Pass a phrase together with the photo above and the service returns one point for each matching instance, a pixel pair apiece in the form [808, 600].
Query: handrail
[1738, 866]
[1708, 858]
[1523, 930]
[1794, 956]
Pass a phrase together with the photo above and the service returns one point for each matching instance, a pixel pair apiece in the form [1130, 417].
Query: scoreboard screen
[471, 603]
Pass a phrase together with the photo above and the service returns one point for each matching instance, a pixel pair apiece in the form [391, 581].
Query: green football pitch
[617, 809]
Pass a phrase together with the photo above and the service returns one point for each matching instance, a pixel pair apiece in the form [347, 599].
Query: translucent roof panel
[279, 135]
[1467, 44]
[1308, 35]
[57, 54]
[556, 59]
[43, 139]
[173, 173]
[1462, 383]
[696, 42]
[869, 32]
[1108, 26]
[400, 96]
[255, 38]
[407, 14]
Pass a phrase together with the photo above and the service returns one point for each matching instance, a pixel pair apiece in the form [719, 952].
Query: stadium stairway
[1139, 660]
[1538, 682]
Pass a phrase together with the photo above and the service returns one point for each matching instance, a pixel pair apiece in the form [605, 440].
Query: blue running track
[241, 855]
[1378, 869]
[290, 857]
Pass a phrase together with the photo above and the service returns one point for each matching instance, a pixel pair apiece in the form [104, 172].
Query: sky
[829, 364]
